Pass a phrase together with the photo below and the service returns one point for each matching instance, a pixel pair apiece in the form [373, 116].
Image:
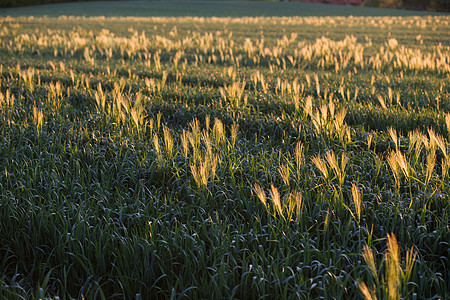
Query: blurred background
[428, 5]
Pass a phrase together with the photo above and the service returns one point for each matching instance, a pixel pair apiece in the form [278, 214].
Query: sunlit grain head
[396, 172]
[447, 122]
[260, 193]
[356, 196]
[168, 141]
[370, 261]
[369, 294]
[299, 153]
[394, 136]
[431, 162]
[284, 172]
[392, 259]
[275, 196]
[38, 118]
[321, 166]
[185, 143]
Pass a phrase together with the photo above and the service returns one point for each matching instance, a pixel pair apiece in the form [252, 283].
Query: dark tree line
[431, 5]
[15, 3]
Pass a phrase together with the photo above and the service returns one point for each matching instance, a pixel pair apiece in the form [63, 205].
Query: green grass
[201, 9]
[184, 158]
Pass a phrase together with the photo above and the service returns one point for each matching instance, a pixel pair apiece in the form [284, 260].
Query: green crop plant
[7, 100]
[356, 196]
[234, 93]
[394, 283]
[204, 170]
[38, 119]
[100, 99]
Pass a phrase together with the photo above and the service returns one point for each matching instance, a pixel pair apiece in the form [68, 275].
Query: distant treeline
[430, 5]
[15, 3]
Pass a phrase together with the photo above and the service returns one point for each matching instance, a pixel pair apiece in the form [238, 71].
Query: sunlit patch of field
[250, 157]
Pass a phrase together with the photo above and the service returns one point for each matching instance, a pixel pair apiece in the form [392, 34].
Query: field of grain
[251, 157]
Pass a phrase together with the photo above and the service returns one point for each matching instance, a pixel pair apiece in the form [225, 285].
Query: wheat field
[206, 157]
